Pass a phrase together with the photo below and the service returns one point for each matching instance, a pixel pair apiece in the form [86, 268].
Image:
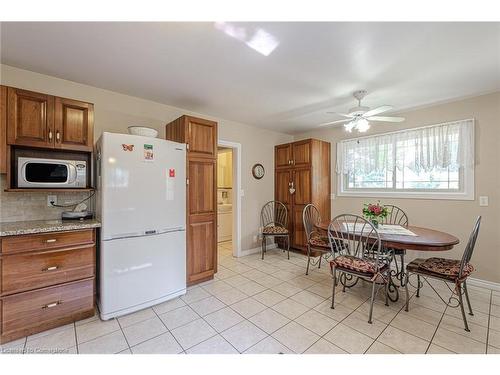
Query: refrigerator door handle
[170, 230]
[146, 233]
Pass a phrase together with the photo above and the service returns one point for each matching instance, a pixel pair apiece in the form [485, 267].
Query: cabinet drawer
[47, 241]
[40, 269]
[32, 311]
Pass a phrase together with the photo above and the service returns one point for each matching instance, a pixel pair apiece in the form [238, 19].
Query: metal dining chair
[315, 241]
[397, 216]
[455, 271]
[359, 254]
[274, 222]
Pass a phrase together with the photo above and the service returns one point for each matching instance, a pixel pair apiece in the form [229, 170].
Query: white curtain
[444, 145]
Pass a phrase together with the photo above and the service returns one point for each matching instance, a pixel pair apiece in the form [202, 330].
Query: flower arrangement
[374, 212]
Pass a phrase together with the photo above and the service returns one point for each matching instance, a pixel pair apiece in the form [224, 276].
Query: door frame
[236, 235]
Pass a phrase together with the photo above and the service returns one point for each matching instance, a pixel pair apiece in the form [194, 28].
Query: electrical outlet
[51, 198]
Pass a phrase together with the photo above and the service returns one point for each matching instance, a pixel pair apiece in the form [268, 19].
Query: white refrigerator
[141, 202]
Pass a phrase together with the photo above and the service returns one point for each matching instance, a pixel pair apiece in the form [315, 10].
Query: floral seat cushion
[321, 242]
[448, 268]
[272, 229]
[368, 266]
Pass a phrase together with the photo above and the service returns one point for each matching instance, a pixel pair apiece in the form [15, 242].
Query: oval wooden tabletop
[425, 240]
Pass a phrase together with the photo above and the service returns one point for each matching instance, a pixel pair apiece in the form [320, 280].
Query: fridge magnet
[127, 147]
[148, 153]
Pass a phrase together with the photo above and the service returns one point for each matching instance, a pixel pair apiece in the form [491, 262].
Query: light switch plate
[483, 201]
[332, 196]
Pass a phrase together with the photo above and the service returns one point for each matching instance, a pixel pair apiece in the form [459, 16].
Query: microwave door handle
[71, 173]
[23, 172]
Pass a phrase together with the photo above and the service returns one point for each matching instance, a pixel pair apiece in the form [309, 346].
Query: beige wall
[114, 112]
[456, 217]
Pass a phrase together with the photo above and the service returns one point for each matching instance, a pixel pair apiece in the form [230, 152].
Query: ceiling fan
[358, 117]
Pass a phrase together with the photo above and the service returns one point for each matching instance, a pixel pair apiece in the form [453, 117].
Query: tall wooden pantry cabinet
[201, 207]
[302, 176]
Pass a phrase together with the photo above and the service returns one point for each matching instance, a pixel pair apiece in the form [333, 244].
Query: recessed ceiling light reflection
[259, 40]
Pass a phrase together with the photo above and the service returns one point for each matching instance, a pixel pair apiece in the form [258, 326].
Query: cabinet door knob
[50, 135]
[58, 136]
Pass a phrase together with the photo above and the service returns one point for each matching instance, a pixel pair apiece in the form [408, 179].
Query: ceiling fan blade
[376, 111]
[340, 114]
[334, 122]
[386, 119]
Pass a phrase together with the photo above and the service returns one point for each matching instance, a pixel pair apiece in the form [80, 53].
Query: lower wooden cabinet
[41, 309]
[46, 280]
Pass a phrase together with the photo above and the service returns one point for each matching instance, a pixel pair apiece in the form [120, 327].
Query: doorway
[228, 199]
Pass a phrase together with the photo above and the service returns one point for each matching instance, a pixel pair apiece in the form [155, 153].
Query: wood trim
[45, 190]
[3, 129]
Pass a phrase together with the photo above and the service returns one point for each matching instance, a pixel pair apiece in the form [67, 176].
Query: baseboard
[256, 250]
[483, 284]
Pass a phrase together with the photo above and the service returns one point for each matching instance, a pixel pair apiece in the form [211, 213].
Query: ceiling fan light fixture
[362, 125]
[350, 125]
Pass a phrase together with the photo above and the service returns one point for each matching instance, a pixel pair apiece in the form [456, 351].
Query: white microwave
[51, 173]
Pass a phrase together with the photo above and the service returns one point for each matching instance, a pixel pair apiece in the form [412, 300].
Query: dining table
[423, 239]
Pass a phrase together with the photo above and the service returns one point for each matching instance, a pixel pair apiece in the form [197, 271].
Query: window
[429, 162]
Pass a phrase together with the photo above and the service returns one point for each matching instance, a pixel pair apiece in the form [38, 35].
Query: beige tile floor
[270, 306]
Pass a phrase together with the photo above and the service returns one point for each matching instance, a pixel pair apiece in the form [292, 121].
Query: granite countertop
[17, 228]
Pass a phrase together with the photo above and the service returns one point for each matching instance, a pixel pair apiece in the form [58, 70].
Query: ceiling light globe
[362, 125]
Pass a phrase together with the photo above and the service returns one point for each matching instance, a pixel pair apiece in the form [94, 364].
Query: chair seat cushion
[361, 265]
[441, 267]
[321, 242]
[272, 229]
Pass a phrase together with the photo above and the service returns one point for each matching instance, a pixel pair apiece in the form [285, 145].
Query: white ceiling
[314, 69]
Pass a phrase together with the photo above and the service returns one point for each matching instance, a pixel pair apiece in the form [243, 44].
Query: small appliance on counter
[80, 212]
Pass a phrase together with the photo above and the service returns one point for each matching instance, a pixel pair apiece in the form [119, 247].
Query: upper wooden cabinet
[301, 153]
[30, 118]
[291, 155]
[45, 121]
[283, 156]
[74, 122]
[199, 134]
[202, 138]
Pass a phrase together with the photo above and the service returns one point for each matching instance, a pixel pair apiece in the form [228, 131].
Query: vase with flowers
[375, 213]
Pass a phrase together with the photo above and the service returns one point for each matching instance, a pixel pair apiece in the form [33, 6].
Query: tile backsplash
[16, 206]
